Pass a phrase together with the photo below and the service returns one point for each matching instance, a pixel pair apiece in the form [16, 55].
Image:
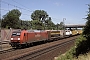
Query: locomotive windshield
[16, 34]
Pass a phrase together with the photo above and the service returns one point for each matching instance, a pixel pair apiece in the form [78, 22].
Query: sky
[72, 11]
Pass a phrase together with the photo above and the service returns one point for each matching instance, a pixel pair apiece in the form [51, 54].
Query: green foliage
[25, 24]
[87, 27]
[61, 26]
[81, 45]
[49, 24]
[11, 19]
[68, 55]
[79, 40]
[36, 24]
[39, 15]
[41, 20]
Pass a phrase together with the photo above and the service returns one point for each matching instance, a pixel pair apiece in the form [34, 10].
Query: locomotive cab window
[16, 34]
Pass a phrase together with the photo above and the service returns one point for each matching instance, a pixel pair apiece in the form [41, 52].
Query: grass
[83, 57]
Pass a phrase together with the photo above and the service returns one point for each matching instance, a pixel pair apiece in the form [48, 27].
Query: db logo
[37, 35]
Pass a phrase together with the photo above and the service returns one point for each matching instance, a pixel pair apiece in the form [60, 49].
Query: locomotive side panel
[36, 36]
[30, 37]
[49, 35]
[44, 36]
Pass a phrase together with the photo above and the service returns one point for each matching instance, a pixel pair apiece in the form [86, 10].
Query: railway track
[13, 49]
[37, 52]
[8, 50]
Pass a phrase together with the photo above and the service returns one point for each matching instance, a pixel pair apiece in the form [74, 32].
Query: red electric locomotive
[24, 37]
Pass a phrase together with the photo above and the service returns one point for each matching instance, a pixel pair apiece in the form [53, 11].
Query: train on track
[26, 37]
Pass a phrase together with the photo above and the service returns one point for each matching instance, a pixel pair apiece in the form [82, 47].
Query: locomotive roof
[16, 31]
[35, 30]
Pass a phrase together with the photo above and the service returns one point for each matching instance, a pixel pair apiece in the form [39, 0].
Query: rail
[40, 52]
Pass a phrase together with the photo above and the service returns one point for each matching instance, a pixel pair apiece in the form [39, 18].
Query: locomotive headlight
[11, 38]
[18, 38]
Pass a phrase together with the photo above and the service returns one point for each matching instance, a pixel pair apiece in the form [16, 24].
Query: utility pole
[0, 29]
[64, 26]
[64, 23]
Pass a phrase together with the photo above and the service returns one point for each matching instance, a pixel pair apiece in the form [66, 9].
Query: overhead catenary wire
[21, 5]
[9, 10]
[15, 7]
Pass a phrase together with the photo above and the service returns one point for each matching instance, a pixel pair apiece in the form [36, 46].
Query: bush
[80, 47]
[68, 55]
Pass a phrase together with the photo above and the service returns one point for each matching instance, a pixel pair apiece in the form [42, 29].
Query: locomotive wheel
[19, 46]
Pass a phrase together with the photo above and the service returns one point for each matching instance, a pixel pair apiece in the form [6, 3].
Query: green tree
[61, 25]
[87, 27]
[40, 19]
[39, 15]
[25, 24]
[49, 24]
[36, 24]
[11, 19]
[83, 43]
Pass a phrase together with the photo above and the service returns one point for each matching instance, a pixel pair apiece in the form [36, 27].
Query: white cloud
[57, 4]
